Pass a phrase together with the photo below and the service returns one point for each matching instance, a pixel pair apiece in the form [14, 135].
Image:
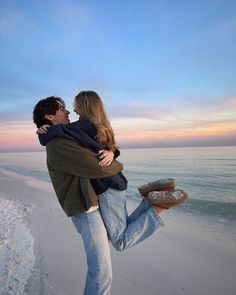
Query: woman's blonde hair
[89, 106]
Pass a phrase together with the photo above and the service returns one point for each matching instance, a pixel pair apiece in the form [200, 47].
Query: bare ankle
[158, 209]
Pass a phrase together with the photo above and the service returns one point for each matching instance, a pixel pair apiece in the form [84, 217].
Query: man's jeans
[97, 248]
[124, 232]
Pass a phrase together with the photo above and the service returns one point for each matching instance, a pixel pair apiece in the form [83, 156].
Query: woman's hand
[43, 129]
[106, 157]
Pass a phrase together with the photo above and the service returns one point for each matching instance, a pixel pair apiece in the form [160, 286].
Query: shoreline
[215, 210]
[191, 255]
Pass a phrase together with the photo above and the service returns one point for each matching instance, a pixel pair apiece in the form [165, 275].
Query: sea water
[208, 174]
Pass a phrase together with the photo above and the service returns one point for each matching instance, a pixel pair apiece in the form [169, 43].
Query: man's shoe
[164, 184]
[167, 199]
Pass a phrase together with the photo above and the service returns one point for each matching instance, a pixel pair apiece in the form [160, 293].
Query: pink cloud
[227, 103]
[140, 110]
[19, 135]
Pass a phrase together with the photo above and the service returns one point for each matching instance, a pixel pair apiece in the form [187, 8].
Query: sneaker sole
[168, 203]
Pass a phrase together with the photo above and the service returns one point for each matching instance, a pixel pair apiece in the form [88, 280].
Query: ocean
[208, 174]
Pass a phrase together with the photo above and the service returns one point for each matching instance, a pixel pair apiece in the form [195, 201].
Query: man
[70, 167]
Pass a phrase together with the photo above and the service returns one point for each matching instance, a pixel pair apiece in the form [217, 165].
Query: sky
[165, 70]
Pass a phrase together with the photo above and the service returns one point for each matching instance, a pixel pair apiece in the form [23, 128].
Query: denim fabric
[97, 248]
[126, 231]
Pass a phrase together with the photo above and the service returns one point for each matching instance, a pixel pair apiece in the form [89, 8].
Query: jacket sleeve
[69, 157]
[67, 132]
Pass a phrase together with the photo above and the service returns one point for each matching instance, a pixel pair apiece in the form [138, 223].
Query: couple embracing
[90, 187]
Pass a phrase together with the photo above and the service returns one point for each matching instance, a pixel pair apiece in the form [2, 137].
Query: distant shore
[190, 255]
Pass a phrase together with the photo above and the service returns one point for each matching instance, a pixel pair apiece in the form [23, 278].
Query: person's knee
[119, 245]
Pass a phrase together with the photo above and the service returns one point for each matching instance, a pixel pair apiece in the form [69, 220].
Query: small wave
[211, 208]
[215, 209]
[30, 181]
[16, 248]
[39, 174]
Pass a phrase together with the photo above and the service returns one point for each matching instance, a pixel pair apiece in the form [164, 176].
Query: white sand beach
[191, 255]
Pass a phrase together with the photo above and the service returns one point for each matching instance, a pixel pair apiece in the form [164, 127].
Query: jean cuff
[158, 218]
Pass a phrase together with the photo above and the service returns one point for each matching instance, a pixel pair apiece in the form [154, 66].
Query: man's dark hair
[46, 106]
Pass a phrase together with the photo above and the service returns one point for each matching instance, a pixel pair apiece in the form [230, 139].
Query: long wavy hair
[89, 106]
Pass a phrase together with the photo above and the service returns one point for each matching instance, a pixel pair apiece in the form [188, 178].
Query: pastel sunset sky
[166, 70]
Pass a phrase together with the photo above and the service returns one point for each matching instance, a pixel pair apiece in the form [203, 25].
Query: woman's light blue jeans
[124, 231]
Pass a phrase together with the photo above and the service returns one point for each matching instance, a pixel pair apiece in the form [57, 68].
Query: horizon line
[127, 147]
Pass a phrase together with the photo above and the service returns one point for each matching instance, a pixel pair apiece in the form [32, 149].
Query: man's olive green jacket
[70, 167]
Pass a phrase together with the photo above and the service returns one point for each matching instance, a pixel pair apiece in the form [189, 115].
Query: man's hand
[43, 129]
[106, 157]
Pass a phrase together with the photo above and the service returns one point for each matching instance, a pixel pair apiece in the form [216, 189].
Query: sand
[190, 255]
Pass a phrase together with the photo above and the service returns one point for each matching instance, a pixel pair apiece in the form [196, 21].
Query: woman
[93, 130]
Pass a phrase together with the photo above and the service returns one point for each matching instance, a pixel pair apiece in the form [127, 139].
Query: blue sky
[162, 67]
